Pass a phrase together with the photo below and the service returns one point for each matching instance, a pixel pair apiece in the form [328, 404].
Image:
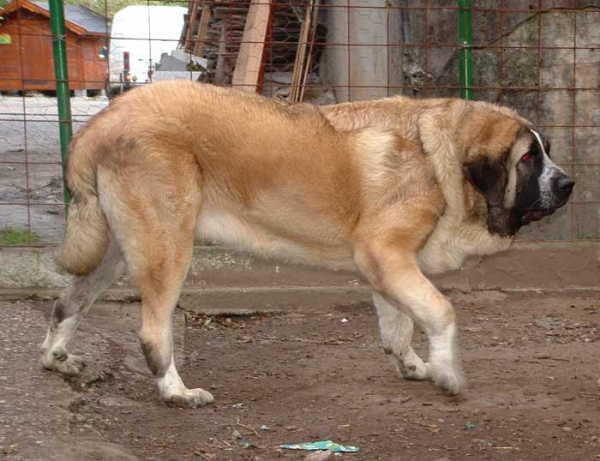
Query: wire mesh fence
[541, 57]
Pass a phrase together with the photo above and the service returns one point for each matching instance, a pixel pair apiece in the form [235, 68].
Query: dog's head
[508, 162]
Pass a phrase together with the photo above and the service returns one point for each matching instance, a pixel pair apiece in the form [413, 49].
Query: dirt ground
[531, 361]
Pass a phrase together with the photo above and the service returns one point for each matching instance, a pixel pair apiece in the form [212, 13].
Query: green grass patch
[10, 236]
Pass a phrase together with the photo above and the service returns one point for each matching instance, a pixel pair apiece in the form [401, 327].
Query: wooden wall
[27, 63]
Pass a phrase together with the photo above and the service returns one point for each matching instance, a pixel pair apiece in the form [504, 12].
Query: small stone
[319, 456]
[76, 403]
[236, 435]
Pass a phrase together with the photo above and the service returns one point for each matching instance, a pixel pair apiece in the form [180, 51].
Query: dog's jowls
[393, 189]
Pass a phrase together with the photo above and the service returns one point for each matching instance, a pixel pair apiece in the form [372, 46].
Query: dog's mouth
[535, 215]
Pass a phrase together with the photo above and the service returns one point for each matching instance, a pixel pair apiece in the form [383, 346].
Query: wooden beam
[247, 75]
[220, 71]
[202, 29]
[300, 62]
[312, 38]
[192, 24]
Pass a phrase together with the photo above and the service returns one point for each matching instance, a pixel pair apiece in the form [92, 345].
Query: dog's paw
[413, 368]
[190, 398]
[446, 377]
[65, 364]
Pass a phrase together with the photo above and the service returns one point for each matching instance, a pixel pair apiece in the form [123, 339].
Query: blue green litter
[320, 445]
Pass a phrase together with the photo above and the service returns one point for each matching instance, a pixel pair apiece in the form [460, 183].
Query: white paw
[446, 377]
[190, 398]
[410, 366]
[65, 364]
[414, 369]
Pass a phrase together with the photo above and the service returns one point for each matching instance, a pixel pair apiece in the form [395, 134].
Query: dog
[394, 189]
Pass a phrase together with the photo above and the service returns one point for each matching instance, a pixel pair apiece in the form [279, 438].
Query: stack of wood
[242, 39]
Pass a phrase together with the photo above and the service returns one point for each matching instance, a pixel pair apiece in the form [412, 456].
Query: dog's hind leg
[396, 328]
[160, 283]
[153, 212]
[70, 308]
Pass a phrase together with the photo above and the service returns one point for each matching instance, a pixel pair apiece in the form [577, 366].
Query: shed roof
[79, 19]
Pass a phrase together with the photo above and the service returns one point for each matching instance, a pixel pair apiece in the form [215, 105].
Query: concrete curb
[228, 279]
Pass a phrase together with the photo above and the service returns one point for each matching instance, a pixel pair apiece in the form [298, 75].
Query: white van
[140, 34]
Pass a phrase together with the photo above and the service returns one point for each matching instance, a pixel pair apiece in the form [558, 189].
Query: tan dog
[393, 188]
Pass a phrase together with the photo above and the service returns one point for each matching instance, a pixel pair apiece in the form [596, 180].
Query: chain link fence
[541, 57]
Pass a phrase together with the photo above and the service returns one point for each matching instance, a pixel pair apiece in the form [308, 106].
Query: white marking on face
[549, 171]
[510, 194]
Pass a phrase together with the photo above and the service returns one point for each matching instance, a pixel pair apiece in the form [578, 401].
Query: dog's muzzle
[562, 186]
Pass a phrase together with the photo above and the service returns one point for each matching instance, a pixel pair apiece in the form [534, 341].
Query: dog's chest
[449, 245]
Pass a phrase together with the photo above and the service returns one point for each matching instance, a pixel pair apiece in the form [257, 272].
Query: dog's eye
[526, 157]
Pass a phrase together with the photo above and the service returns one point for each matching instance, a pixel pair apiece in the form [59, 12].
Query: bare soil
[531, 361]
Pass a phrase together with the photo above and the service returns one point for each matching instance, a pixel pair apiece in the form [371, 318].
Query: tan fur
[377, 186]
[86, 238]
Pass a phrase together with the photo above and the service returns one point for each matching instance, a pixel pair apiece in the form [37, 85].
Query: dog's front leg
[396, 327]
[395, 276]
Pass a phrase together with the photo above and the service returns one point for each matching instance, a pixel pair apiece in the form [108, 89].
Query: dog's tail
[86, 239]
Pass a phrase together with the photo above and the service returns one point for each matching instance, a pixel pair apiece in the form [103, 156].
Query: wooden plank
[300, 61]
[249, 66]
[312, 38]
[202, 29]
[220, 71]
[192, 24]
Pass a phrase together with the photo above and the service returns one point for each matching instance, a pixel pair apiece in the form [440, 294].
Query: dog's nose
[565, 185]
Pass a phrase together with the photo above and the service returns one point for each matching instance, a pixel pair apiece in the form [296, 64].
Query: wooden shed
[26, 58]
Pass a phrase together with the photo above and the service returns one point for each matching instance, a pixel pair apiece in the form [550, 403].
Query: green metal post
[57, 24]
[465, 52]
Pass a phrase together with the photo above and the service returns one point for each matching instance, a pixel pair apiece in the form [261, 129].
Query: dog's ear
[489, 177]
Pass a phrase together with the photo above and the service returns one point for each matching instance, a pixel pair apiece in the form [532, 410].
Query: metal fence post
[465, 51]
[57, 25]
